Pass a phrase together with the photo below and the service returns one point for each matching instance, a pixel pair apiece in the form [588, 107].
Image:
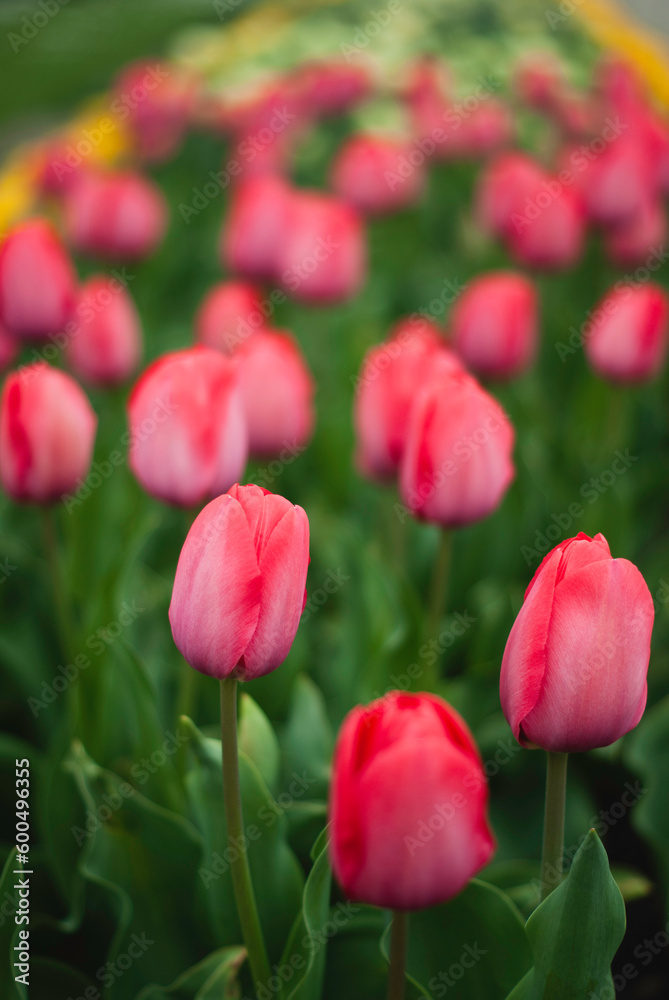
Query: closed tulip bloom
[403, 764]
[188, 435]
[630, 243]
[116, 216]
[329, 87]
[277, 393]
[495, 324]
[502, 188]
[322, 256]
[370, 172]
[391, 376]
[457, 462]
[575, 664]
[489, 127]
[254, 226]
[239, 588]
[228, 315]
[628, 339]
[106, 347]
[37, 281]
[547, 229]
[158, 99]
[47, 434]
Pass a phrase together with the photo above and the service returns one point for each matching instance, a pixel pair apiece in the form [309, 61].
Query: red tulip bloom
[228, 315]
[502, 188]
[376, 174]
[630, 243]
[255, 226]
[330, 87]
[392, 374]
[188, 435]
[157, 99]
[408, 803]
[106, 346]
[457, 462]
[119, 215]
[47, 434]
[239, 587]
[495, 324]
[277, 393]
[574, 668]
[37, 281]
[628, 339]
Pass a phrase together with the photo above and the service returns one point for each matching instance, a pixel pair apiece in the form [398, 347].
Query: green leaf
[258, 740]
[473, 946]
[307, 739]
[646, 753]
[214, 978]
[575, 932]
[304, 951]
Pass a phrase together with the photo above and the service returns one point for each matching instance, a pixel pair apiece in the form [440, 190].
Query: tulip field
[334, 545]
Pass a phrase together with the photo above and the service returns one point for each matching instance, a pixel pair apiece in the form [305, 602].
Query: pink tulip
[614, 184]
[277, 393]
[495, 324]
[255, 226]
[106, 347]
[264, 128]
[408, 803]
[376, 174]
[575, 664]
[331, 88]
[188, 435]
[457, 461]
[239, 588]
[322, 253]
[632, 243]
[391, 376]
[539, 80]
[486, 129]
[428, 98]
[628, 339]
[115, 215]
[503, 186]
[47, 434]
[37, 281]
[548, 229]
[228, 315]
[157, 100]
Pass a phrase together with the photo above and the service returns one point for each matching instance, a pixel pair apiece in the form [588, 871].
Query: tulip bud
[548, 227]
[277, 393]
[158, 99]
[37, 281]
[457, 461]
[239, 587]
[47, 434]
[495, 324]
[374, 174]
[391, 376]
[487, 128]
[628, 339]
[630, 243]
[188, 436]
[228, 315]
[115, 215]
[322, 256]
[254, 226]
[502, 188]
[106, 346]
[575, 664]
[331, 88]
[408, 803]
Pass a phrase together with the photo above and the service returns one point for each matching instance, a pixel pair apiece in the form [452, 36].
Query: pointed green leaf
[214, 978]
[258, 740]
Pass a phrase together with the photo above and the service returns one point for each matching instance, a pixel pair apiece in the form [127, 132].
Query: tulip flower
[494, 324]
[502, 187]
[376, 174]
[106, 346]
[575, 665]
[238, 596]
[391, 376]
[254, 227]
[404, 765]
[188, 435]
[119, 215]
[228, 315]
[629, 244]
[322, 253]
[239, 586]
[277, 393]
[37, 281]
[47, 434]
[264, 127]
[457, 462]
[330, 88]
[157, 99]
[628, 339]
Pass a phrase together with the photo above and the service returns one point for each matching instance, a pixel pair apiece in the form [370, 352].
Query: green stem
[239, 868]
[58, 585]
[439, 584]
[556, 790]
[398, 956]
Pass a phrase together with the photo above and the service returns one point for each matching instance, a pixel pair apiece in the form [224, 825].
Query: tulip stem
[556, 792]
[439, 584]
[398, 955]
[58, 584]
[239, 868]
